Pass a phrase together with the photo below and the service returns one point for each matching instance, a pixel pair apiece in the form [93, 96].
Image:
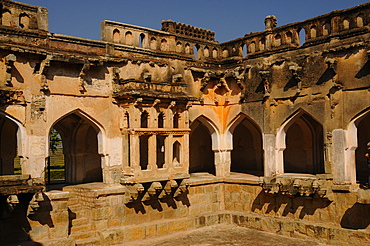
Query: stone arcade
[169, 130]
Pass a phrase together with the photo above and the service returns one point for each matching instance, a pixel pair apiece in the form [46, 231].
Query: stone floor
[225, 235]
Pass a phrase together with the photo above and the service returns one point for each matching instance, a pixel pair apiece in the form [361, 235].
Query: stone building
[169, 130]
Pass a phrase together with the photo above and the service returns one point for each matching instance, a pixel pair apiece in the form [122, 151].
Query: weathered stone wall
[304, 109]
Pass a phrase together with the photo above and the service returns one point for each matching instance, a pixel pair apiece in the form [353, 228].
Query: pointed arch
[358, 135]
[12, 141]
[299, 145]
[247, 149]
[203, 141]
[83, 147]
[116, 36]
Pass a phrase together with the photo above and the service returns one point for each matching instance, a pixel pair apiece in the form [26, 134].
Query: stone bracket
[45, 65]
[85, 68]
[9, 63]
[34, 203]
[296, 186]
[156, 190]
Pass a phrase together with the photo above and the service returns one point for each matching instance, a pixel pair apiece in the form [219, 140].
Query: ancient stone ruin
[169, 130]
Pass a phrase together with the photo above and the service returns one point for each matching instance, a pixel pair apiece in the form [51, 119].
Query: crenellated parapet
[188, 31]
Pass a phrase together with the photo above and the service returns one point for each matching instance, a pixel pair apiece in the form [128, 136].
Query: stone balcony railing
[312, 31]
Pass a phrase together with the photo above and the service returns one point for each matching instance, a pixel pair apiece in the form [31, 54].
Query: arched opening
[195, 51]
[313, 32]
[160, 150]
[153, 43]
[179, 47]
[206, 51]
[128, 38]
[144, 119]
[201, 153]
[176, 119]
[247, 153]
[116, 36]
[225, 53]
[245, 49]
[304, 146]
[24, 21]
[288, 37]
[56, 170]
[144, 142]
[9, 162]
[345, 24]
[214, 53]
[187, 48]
[82, 160]
[141, 40]
[262, 44]
[161, 120]
[326, 29]
[6, 18]
[277, 40]
[302, 36]
[164, 45]
[176, 153]
[363, 137]
[360, 20]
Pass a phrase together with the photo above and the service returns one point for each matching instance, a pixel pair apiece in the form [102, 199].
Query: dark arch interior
[201, 153]
[80, 149]
[247, 153]
[304, 151]
[363, 137]
[8, 146]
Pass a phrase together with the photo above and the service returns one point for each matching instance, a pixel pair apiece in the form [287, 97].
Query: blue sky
[228, 19]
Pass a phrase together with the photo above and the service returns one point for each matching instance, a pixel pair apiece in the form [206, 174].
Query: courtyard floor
[225, 235]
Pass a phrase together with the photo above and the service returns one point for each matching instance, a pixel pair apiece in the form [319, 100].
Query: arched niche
[247, 152]
[82, 147]
[11, 145]
[202, 143]
[116, 36]
[300, 145]
[358, 135]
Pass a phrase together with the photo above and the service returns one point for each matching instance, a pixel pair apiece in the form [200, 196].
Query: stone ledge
[57, 195]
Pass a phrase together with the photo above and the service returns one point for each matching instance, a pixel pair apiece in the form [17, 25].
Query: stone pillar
[185, 153]
[168, 151]
[270, 164]
[343, 159]
[222, 162]
[36, 164]
[135, 152]
[152, 152]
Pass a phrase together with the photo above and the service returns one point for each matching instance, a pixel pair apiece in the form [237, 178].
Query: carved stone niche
[296, 186]
[266, 77]
[296, 73]
[147, 190]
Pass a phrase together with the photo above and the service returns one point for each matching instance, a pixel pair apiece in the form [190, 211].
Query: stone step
[81, 221]
[80, 228]
[83, 235]
[88, 242]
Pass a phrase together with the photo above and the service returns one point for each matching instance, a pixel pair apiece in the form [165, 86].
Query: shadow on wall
[42, 214]
[292, 205]
[356, 217]
[14, 228]
[156, 204]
